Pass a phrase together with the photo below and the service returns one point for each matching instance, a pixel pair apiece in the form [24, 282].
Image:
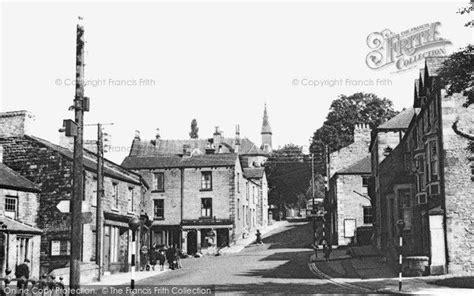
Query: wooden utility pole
[80, 105]
[100, 195]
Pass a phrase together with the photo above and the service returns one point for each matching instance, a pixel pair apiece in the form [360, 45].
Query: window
[159, 208]
[404, 197]
[206, 207]
[365, 181]
[130, 200]
[247, 190]
[60, 248]
[420, 177]
[11, 203]
[206, 181]
[238, 209]
[433, 161]
[368, 215]
[159, 182]
[238, 182]
[115, 195]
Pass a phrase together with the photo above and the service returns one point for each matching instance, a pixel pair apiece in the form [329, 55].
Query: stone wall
[350, 204]
[459, 185]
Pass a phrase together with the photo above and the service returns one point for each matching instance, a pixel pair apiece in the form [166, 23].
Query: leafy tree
[344, 113]
[289, 172]
[467, 10]
[456, 74]
[194, 130]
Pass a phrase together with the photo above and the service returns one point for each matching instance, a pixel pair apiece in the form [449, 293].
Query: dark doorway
[222, 238]
[192, 242]
[106, 248]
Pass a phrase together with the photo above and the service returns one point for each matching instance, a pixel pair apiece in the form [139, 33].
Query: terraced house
[50, 167]
[423, 172]
[206, 193]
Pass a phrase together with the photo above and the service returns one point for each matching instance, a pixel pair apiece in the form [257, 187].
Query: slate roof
[362, 166]
[175, 161]
[254, 173]
[14, 226]
[400, 121]
[90, 163]
[164, 147]
[9, 179]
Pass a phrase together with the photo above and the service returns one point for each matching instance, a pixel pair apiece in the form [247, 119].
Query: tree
[344, 113]
[456, 74]
[194, 130]
[288, 172]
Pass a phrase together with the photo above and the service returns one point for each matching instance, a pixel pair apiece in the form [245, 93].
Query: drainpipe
[441, 174]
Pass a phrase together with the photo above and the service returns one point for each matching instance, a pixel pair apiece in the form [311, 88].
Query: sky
[156, 65]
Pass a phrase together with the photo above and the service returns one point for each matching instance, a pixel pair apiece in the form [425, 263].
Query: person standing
[327, 250]
[22, 273]
[259, 237]
[162, 259]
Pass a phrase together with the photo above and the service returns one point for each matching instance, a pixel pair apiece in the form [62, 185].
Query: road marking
[314, 269]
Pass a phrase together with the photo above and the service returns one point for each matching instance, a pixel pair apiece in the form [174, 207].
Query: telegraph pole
[327, 160]
[80, 105]
[100, 196]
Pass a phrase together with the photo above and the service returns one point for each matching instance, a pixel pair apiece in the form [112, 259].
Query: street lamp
[401, 225]
[134, 223]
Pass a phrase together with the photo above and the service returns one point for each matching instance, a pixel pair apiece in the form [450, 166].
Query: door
[222, 238]
[106, 260]
[192, 242]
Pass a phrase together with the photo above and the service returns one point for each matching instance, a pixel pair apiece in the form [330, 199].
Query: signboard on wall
[349, 227]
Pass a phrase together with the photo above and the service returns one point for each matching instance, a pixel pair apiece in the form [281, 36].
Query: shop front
[205, 236]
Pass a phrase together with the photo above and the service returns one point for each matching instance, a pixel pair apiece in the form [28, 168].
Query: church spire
[266, 128]
[266, 132]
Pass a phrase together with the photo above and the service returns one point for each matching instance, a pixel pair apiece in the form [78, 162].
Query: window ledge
[205, 189]
[157, 191]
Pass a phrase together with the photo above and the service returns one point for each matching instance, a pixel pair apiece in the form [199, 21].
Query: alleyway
[279, 266]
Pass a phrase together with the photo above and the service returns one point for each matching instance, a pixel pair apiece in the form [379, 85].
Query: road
[278, 266]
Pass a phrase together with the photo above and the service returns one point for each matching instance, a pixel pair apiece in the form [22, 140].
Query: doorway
[106, 260]
[192, 242]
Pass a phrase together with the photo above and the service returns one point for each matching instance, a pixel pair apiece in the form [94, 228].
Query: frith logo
[405, 49]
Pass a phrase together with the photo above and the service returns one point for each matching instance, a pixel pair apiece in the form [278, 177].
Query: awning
[116, 219]
[14, 226]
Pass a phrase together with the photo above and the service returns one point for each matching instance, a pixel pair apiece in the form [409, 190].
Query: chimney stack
[16, 123]
[210, 148]
[186, 150]
[217, 139]
[237, 138]
[362, 133]
[137, 135]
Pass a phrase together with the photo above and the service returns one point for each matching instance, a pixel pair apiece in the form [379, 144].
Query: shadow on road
[295, 235]
[278, 288]
[296, 266]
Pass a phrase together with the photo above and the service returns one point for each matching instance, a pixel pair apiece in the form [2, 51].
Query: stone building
[200, 202]
[426, 181]
[348, 201]
[50, 167]
[20, 238]
[206, 193]
[352, 209]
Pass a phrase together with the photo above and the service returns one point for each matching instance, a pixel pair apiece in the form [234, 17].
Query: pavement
[251, 238]
[124, 278]
[363, 268]
[285, 264]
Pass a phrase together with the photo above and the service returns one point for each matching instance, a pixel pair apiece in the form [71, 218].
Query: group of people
[159, 255]
[326, 249]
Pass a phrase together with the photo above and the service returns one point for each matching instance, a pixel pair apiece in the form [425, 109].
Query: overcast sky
[216, 62]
